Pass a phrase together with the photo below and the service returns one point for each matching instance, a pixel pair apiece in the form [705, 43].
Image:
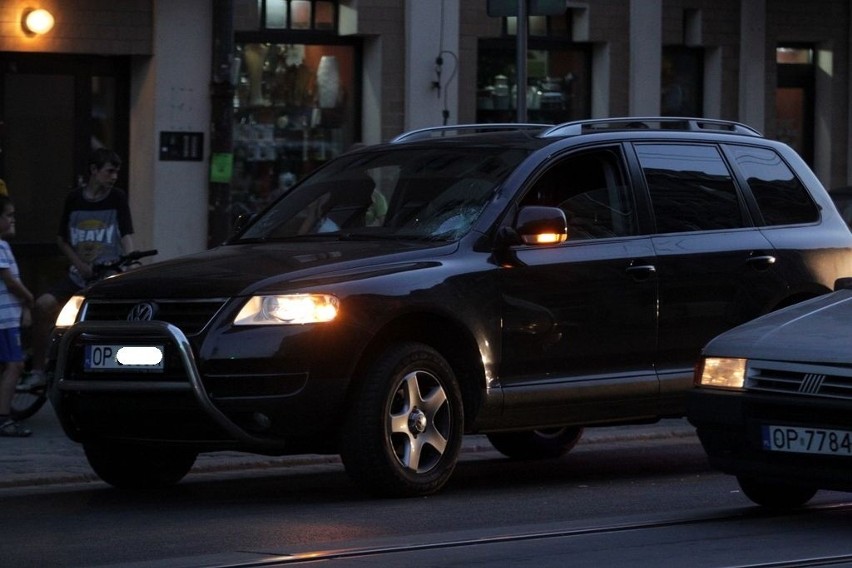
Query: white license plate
[123, 357]
[807, 440]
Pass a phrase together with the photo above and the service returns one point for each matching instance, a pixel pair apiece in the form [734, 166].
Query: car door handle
[761, 262]
[641, 271]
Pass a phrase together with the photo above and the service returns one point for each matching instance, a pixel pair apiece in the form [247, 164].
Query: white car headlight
[68, 315]
[288, 309]
[723, 373]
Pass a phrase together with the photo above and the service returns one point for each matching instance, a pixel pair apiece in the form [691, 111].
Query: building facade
[218, 106]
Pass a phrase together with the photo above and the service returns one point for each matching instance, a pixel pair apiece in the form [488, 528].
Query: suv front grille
[189, 315]
[800, 379]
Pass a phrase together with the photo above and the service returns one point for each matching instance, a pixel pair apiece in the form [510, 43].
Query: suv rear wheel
[536, 444]
[129, 466]
[403, 432]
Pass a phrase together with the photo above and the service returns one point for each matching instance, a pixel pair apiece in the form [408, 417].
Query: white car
[773, 401]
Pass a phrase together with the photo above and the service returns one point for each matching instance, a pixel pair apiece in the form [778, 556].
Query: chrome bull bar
[157, 330]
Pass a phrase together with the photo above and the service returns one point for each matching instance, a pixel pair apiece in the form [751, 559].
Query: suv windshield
[422, 193]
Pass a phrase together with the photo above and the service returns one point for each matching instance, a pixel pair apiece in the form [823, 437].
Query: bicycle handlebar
[121, 262]
[137, 254]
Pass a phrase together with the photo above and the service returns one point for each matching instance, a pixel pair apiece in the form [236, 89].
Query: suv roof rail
[650, 122]
[460, 129]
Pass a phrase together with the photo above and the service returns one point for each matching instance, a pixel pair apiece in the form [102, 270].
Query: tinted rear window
[691, 187]
[781, 197]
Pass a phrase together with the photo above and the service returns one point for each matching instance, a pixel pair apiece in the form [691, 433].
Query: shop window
[544, 26]
[682, 81]
[558, 81]
[536, 26]
[794, 55]
[295, 107]
[302, 15]
[325, 15]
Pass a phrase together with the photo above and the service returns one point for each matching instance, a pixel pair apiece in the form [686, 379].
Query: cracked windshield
[410, 193]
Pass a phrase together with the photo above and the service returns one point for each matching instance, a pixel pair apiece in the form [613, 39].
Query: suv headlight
[68, 315]
[288, 309]
[720, 372]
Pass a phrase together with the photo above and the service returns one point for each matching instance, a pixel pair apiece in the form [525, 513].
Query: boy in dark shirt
[95, 227]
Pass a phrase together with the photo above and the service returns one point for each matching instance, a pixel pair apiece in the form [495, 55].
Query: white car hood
[818, 330]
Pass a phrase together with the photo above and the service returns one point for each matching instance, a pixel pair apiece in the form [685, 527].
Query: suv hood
[815, 331]
[241, 269]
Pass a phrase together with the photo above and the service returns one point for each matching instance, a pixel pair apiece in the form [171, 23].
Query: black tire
[26, 402]
[547, 443]
[775, 495]
[128, 466]
[402, 434]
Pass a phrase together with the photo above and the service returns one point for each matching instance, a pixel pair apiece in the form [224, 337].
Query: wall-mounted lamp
[37, 22]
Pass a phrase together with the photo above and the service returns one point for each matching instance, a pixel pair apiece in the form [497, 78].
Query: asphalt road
[624, 497]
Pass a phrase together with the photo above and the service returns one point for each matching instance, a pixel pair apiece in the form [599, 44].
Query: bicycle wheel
[27, 401]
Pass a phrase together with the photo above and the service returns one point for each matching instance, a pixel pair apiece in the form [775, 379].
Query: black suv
[521, 281]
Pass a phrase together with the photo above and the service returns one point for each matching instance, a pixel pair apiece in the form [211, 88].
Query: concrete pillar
[371, 91]
[601, 80]
[170, 92]
[432, 30]
[713, 81]
[752, 100]
[824, 113]
[645, 56]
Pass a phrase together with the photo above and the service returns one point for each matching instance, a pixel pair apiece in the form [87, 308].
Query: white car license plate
[807, 440]
[123, 357]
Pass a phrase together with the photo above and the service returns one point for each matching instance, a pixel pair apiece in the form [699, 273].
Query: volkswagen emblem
[143, 311]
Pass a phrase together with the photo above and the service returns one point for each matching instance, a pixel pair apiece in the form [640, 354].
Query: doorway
[53, 110]
[794, 99]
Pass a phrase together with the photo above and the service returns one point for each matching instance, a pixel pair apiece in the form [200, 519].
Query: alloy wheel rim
[419, 422]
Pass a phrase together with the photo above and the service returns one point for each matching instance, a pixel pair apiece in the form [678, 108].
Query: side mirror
[843, 283]
[538, 225]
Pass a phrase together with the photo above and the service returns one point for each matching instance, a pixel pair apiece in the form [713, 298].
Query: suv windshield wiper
[389, 237]
[282, 238]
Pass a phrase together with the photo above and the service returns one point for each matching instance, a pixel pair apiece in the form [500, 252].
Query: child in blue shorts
[15, 303]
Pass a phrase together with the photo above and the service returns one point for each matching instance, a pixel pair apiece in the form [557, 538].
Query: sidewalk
[48, 457]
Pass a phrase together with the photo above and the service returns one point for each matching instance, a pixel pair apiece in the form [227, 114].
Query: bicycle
[28, 400]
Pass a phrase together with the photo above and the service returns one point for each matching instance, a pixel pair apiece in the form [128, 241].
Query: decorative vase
[254, 55]
[328, 81]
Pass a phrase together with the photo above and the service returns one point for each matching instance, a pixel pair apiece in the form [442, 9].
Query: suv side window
[590, 187]
[691, 187]
[781, 197]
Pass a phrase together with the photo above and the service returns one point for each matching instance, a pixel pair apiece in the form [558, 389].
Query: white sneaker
[34, 379]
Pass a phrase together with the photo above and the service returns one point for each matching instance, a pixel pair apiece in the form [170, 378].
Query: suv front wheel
[128, 466]
[403, 432]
